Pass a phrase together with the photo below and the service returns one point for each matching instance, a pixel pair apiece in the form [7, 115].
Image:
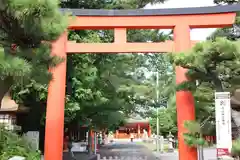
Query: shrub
[12, 144]
[236, 148]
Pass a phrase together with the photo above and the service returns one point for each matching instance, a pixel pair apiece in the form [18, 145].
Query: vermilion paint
[181, 25]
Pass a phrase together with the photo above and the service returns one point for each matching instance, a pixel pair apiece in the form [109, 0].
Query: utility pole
[95, 142]
[157, 100]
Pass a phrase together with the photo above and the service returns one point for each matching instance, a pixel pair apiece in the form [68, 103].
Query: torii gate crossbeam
[180, 20]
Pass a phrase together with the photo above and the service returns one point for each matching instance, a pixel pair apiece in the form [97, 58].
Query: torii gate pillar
[180, 20]
[184, 99]
[55, 104]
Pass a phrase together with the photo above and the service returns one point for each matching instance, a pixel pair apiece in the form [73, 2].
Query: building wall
[7, 111]
[8, 120]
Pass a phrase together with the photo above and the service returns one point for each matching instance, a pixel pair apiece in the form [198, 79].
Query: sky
[196, 34]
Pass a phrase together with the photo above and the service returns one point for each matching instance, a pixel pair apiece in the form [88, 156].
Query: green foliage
[167, 118]
[226, 1]
[99, 90]
[212, 66]
[29, 66]
[13, 66]
[28, 25]
[232, 33]
[204, 107]
[213, 61]
[100, 85]
[13, 145]
[108, 4]
[186, 86]
[143, 35]
[131, 4]
[236, 148]
[167, 89]
[193, 137]
[110, 120]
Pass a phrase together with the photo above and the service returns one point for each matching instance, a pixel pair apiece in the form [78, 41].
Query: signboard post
[223, 124]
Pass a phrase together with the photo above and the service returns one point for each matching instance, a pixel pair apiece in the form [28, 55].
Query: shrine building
[135, 127]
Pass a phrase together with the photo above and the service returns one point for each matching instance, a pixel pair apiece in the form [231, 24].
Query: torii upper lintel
[197, 17]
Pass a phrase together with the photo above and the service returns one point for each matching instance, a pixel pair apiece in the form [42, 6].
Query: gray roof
[137, 121]
[154, 12]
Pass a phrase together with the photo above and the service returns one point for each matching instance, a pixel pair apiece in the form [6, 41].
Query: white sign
[223, 124]
[17, 158]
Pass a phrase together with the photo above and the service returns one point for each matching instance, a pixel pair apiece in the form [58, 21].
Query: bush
[12, 144]
[193, 137]
[236, 148]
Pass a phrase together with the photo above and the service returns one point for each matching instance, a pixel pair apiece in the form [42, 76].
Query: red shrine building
[135, 127]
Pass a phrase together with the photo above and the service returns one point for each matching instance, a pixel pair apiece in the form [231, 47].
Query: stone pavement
[77, 156]
[209, 154]
[128, 150]
[137, 150]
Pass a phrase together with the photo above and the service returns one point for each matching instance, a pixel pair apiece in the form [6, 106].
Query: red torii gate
[180, 20]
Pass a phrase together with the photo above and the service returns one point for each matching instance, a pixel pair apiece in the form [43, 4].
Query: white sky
[196, 34]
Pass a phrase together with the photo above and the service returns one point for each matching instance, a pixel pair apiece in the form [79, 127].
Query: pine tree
[214, 64]
[226, 1]
[109, 4]
[204, 105]
[232, 33]
[25, 28]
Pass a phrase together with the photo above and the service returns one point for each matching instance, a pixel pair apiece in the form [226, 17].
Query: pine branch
[186, 86]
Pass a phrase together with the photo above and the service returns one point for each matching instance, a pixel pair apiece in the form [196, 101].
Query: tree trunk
[236, 120]
[4, 88]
